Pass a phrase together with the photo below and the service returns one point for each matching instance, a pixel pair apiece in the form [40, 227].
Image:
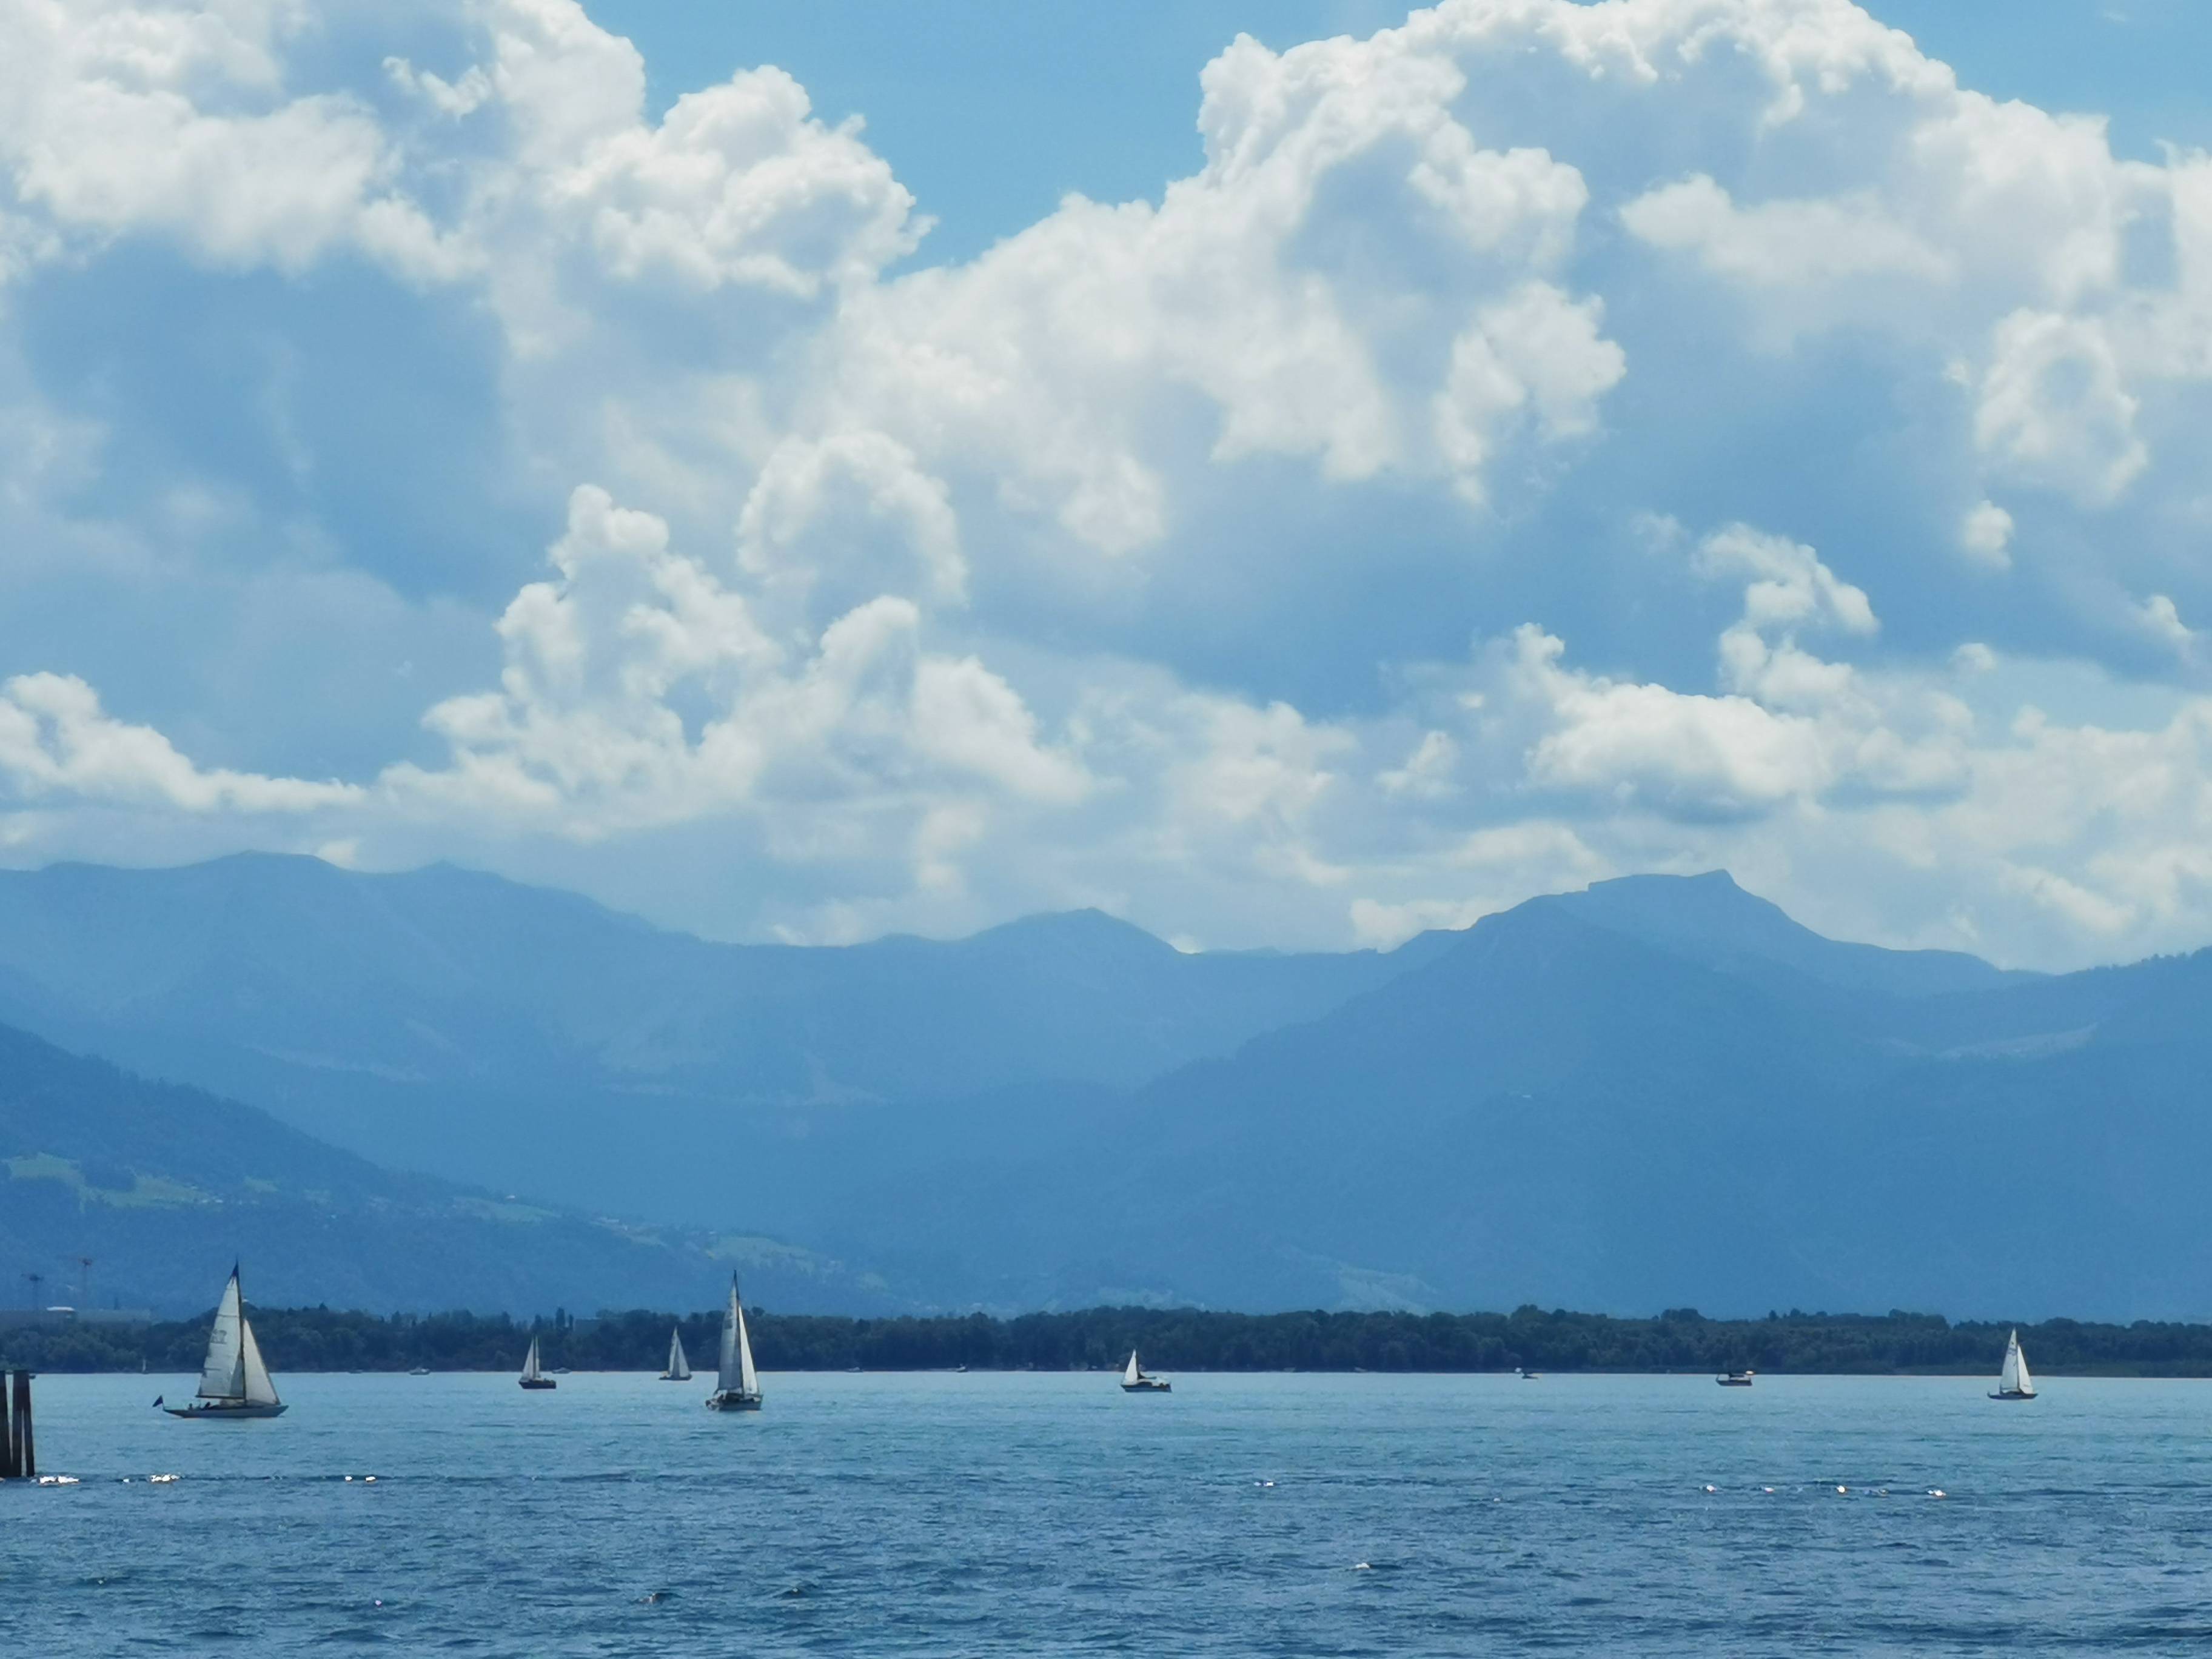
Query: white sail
[530, 1364]
[727, 1378]
[1130, 1373]
[680, 1369]
[223, 1376]
[2015, 1379]
[748, 1378]
[260, 1390]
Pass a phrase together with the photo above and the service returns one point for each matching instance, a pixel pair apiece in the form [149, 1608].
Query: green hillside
[164, 1186]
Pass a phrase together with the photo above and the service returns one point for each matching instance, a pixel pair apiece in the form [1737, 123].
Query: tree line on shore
[1181, 1339]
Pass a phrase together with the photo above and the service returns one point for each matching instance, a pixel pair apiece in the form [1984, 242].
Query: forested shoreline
[1187, 1339]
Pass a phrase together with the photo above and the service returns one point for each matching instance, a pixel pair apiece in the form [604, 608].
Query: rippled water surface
[1051, 1514]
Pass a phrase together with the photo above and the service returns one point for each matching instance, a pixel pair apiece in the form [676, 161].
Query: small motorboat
[1134, 1380]
[418, 1371]
[1527, 1375]
[531, 1376]
[1736, 1379]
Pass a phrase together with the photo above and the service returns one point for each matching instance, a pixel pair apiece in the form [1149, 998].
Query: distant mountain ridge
[453, 1022]
[1661, 1091]
[1708, 918]
[164, 1186]
[1558, 1110]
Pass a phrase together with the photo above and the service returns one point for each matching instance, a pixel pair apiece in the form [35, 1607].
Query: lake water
[1029, 1514]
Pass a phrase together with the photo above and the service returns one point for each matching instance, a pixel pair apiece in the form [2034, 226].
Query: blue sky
[992, 112]
[805, 471]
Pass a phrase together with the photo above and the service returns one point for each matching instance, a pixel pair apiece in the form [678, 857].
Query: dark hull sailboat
[532, 1377]
[2014, 1382]
[235, 1383]
[1134, 1381]
[737, 1383]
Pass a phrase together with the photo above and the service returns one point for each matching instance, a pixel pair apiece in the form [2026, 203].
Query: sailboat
[531, 1376]
[233, 1383]
[737, 1384]
[679, 1368]
[2014, 1382]
[1134, 1380]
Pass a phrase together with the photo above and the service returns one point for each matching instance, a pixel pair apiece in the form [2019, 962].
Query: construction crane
[36, 1280]
[83, 1279]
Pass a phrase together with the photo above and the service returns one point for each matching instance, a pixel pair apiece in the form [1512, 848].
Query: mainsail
[680, 1369]
[530, 1364]
[726, 1378]
[223, 1376]
[1132, 1373]
[2015, 1379]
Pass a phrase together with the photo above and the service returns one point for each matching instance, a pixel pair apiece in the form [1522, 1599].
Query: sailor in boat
[234, 1380]
[1135, 1380]
[2014, 1382]
[532, 1377]
[737, 1384]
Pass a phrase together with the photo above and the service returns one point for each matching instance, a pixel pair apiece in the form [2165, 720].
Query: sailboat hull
[733, 1402]
[538, 1383]
[224, 1409]
[2013, 1394]
[1147, 1385]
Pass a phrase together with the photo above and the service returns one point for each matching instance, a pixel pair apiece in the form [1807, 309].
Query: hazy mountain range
[162, 1185]
[1661, 1091]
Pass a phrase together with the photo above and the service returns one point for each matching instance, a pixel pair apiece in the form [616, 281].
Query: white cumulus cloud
[1133, 560]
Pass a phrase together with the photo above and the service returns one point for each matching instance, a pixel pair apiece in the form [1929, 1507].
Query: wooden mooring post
[19, 1456]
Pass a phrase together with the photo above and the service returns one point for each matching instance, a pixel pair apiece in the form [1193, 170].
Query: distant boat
[531, 1376]
[233, 1383]
[2014, 1382]
[420, 1370]
[1134, 1380]
[737, 1384]
[680, 1369]
[1736, 1379]
[1530, 1377]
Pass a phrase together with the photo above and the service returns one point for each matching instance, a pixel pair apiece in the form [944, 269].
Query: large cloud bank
[1544, 441]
